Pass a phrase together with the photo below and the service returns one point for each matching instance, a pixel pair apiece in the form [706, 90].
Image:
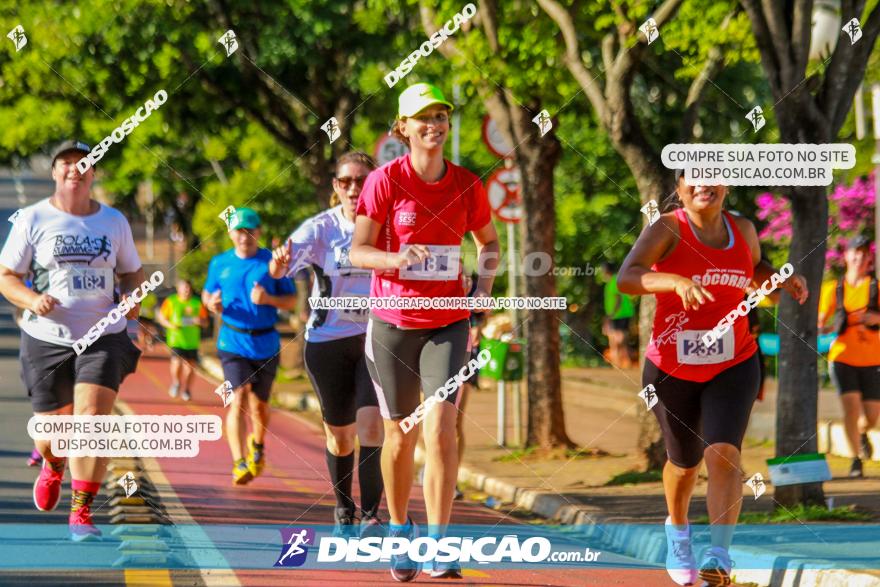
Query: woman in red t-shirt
[411, 218]
[698, 260]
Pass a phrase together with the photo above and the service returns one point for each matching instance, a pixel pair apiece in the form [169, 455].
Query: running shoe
[186, 395]
[47, 487]
[457, 495]
[80, 521]
[346, 523]
[447, 570]
[172, 391]
[680, 562]
[240, 473]
[256, 458]
[855, 469]
[372, 527]
[403, 568]
[715, 569]
[867, 447]
[35, 459]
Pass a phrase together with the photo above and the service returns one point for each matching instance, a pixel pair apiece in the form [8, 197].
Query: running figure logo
[756, 117]
[854, 30]
[543, 121]
[128, 483]
[331, 127]
[105, 250]
[15, 216]
[227, 214]
[19, 39]
[224, 390]
[649, 394]
[294, 547]
[229, 42]
[650, 30]
[670, 334]
[652, 211]
[756, 482]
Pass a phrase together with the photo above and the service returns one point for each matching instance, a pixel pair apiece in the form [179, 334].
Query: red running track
[295, 489]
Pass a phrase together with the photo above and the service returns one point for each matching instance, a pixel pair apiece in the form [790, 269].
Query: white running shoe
[680, 561]
[172, 391]
[715, 568]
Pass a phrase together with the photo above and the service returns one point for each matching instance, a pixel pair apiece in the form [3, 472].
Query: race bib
[690, 349]
[341, 265]
[90, 282]
[189, 321]
[443, 265]
[359, 315]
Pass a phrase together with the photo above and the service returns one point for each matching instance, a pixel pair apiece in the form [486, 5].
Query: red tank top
[675, 346]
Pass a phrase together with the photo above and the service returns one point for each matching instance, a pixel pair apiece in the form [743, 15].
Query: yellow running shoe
[240, 473]
[256, 458]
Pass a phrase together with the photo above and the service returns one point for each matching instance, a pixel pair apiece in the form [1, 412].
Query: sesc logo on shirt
[405, 218]
[690, 349]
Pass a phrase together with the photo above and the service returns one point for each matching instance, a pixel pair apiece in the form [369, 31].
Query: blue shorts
[260, 373]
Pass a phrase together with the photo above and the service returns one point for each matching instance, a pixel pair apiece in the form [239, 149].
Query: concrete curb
[639, 541]
[832, 439]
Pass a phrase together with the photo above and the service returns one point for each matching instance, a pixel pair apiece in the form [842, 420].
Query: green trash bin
[505, 360]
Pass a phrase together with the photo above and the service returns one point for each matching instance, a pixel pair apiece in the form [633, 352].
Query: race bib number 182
[443, 265]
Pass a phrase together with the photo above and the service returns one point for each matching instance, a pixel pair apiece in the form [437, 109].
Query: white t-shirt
[324, 241]
[74, 259]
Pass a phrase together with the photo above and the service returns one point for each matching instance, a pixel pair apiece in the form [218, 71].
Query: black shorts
[864, 379]
[260, 373]
[185, 354]
[50, 371]
[401, 362]
[620, 324]
[338, 371]
[695, 415]
[475, 378]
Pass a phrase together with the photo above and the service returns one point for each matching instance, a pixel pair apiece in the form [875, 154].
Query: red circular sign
[495, 141]
[389, 148]
[503, 189]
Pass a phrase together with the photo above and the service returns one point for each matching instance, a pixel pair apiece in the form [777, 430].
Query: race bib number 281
[443, 265]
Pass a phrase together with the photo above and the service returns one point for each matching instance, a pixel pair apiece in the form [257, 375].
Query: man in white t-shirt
[74, 250]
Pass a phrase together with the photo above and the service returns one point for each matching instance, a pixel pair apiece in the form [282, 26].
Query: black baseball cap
[678, 174]
[858, 242]
[70, 145]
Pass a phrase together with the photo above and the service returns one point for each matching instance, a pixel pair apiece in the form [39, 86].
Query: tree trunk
[537, 157]
[796, 406]
[650, 440]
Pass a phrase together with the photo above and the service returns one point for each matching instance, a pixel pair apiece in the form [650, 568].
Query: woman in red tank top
[698, 261]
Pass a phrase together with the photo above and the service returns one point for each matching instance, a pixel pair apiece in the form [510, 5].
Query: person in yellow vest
[183, 317]
[849, 307]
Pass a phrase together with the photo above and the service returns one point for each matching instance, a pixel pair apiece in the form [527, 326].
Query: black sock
[341, 470]
[370, 478]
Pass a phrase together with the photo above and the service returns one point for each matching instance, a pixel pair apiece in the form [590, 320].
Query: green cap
[244, 218]
[417, 97]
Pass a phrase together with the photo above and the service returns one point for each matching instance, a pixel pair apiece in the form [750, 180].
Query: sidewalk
[601, 409]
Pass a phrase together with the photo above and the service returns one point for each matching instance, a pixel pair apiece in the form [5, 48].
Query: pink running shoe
[35, 459]
[47, 487]
[80, 521]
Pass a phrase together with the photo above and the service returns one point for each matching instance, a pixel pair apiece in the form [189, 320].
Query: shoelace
[81, 506]
[681, 549]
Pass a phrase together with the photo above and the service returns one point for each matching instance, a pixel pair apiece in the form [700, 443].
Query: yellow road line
[148, 578]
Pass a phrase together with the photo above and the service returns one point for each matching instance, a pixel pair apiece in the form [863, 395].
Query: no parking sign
[503, 189]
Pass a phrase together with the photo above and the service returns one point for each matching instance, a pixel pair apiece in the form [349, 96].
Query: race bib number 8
[443, 265]
[88, 282]
[690, 349]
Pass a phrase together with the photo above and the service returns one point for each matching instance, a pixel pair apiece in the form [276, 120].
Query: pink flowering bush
[850, 212]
